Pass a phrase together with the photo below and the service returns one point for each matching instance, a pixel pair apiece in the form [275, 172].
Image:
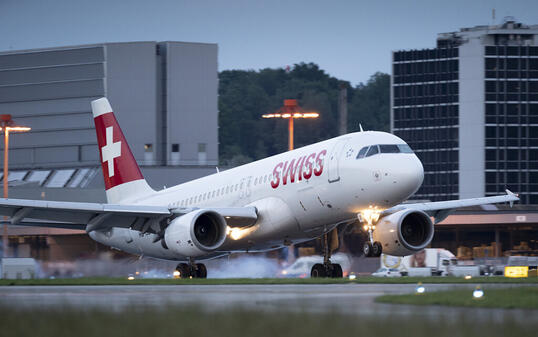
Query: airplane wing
[94, 216]
[441, 209]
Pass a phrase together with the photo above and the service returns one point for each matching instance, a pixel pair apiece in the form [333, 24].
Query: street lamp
[291, 111]
[7, 125]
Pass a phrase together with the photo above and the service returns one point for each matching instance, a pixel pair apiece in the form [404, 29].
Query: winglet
[510, 193]
[360, 126]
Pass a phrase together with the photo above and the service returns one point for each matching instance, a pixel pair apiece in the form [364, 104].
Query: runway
[353, 299]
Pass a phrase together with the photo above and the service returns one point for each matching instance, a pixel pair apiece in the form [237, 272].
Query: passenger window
[362, 152]
[373, 150]
[390, 148]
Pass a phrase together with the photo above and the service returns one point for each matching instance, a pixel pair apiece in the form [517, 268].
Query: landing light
[176, 274]
[478, 292]
[369, 217]
[237, 233]
[420, 289]
[130, 278]
[468, 277]
[352, 277]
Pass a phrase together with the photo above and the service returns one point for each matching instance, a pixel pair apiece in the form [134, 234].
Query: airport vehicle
[303, 266]
[284, 199]
[18, 268]
[435, 261]
[463, 271]
[387, 272]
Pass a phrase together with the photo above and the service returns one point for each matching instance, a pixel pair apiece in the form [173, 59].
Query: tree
[245, 95]
[370, 104]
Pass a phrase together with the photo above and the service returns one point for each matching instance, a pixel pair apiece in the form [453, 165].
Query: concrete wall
[471, 119]
[131, 89]
[159, 100]
[50, 90]
[191, 101]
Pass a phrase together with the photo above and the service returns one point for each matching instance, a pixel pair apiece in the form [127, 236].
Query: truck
[427, 262]
[18, 268]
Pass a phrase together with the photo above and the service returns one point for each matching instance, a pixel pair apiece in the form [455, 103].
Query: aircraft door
[336, 153]
[244, 191]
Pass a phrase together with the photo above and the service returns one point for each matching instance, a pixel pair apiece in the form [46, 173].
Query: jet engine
[196, 233]
[404, 232]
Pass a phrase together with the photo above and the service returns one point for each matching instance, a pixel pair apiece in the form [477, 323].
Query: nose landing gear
[327, 269]
[371, 248]
[191, 270]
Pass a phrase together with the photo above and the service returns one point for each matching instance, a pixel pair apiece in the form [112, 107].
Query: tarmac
[351, 299]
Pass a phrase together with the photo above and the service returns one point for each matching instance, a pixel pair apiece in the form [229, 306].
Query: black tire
[337, 271]
[318, 270]
[201, 270]
[184, 270]
[377, 249]
[367, 249]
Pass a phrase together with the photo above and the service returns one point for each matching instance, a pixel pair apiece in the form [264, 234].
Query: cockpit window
[373, 150]
[362, 152]
[389, 148]
[404, 148]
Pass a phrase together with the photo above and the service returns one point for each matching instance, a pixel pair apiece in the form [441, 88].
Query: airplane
[285, 199]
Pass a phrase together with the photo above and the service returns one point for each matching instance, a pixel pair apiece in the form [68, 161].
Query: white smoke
[243, 266]
[234, 266]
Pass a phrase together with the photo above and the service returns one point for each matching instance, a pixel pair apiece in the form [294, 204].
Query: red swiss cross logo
[117, 160]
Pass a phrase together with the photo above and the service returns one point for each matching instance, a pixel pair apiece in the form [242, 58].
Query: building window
[175, 156]
[148, 154]
[202, 153]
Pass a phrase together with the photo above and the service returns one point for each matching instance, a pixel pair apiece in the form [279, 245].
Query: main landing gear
[371, 248]
[191, 270]
[327, 269]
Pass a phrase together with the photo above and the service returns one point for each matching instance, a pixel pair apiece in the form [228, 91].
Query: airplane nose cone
[411, 175]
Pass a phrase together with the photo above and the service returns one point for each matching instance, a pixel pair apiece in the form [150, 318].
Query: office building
[469, 109]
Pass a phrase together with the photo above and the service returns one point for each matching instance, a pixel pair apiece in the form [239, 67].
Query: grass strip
[508, 298]
[358, 280]
[175, 321]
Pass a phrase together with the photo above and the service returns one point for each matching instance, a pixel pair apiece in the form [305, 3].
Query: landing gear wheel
[336, 271]
[377, 249]
[318, 270]
[367, 249]
[184, 270]
[201, 271]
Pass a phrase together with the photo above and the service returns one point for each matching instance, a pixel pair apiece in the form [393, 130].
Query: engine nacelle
[196, 233]
[404, 232]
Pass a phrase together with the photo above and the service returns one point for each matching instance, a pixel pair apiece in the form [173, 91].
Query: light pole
[7, 125]
[291, 111]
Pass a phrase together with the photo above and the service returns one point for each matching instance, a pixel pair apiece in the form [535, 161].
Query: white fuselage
[330, 186]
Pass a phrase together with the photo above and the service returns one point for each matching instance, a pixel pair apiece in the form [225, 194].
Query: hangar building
[164, 95]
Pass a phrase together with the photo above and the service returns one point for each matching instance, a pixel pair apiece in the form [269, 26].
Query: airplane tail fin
[123, 180]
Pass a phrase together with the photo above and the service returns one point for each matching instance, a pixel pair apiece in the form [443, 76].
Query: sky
[350, 40]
